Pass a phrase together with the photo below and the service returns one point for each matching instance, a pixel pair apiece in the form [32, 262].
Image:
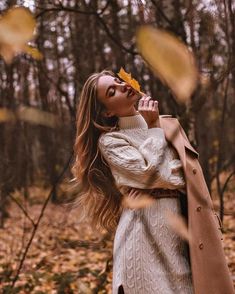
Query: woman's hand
[137, 198]
[148, 108]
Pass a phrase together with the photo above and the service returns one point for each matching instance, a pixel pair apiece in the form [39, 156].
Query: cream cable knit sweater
[148, 257]
[136, 154]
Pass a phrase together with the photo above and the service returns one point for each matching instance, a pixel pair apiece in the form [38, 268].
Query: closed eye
[111, 91]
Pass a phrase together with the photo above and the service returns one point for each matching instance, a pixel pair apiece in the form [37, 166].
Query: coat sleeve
[134, 166]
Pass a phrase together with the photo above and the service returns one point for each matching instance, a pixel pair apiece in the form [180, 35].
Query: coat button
[201, 246]
[194, 171]
[199, 208]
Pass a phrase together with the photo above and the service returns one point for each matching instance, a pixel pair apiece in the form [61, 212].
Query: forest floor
[65, 255]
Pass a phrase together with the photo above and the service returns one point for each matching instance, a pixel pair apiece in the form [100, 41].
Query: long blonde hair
[98, 196]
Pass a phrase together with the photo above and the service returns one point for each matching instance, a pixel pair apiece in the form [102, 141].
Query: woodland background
[76, 39]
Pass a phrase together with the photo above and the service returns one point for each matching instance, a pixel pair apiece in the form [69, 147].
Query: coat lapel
[176, 136]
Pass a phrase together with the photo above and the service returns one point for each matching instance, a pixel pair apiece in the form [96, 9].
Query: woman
[122, 155]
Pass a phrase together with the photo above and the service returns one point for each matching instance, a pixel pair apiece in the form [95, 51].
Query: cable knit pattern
[149, 258]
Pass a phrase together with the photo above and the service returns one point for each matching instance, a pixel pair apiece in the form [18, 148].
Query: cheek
[115, 104]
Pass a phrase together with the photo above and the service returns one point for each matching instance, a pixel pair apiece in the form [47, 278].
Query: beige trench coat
[209, 268]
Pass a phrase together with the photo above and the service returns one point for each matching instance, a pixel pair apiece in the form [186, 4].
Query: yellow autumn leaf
[129, 80]
[171, 61]
[17, 27]
[36, 116]
[29, 114]
[8, 51]
[6, 115]
[135, 85]
[34, 52]
[124, 75]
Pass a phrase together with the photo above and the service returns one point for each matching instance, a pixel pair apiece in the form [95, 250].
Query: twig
[227, 181]
[22, 208]
[61, 7]
[38, 221]
[221, 139]
[99, 18]
[161, 12]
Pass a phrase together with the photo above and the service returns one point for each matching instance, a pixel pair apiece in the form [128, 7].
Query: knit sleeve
[134, 166]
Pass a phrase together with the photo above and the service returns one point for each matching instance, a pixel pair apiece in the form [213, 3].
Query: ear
[107, 113]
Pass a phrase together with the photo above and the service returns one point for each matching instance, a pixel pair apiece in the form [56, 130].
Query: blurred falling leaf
[6, 115]
[30, 115]
[129, 80]
[170, 60]
[36, 116]
[17, 27]
[178, 225]
[139, 202]
[34, 52]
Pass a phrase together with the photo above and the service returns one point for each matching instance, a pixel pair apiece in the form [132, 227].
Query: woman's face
[117, 97]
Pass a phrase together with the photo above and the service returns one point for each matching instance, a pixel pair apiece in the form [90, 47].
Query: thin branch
[227, 181]
[161, 12]
[61, 7]
[110, 35]
[61, 91]
[221, 139]
[38, 221]
[225, 166]
[22, 208]
[99, 18]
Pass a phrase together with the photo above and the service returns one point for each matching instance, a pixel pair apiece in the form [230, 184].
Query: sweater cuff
[156, 133]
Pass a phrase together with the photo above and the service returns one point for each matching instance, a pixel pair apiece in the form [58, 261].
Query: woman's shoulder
[110, 138]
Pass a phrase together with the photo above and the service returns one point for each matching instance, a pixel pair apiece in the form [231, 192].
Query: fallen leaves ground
[66, 256]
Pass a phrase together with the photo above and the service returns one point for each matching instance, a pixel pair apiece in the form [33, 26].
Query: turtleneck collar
[132, 122]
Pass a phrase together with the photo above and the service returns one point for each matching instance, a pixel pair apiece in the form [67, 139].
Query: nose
[124, 87]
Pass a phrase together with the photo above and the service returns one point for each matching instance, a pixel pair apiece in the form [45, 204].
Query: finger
[141, 103]
[151, 105]
[133, 192]
[156, 105]
[146, 102]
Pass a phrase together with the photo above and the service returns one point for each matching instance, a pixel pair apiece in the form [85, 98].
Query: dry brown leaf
[83, 288]
[170, 60]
